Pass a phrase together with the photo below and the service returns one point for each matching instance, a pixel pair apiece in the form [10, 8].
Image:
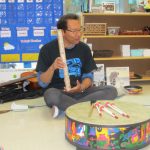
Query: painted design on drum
[95, 137]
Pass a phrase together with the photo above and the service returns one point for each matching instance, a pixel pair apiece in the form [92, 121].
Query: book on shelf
[117, 76]
[99, 75]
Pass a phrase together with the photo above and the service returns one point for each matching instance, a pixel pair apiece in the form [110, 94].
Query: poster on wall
[25, 26]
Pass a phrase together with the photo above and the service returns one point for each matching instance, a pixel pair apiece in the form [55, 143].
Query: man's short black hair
[62, 23]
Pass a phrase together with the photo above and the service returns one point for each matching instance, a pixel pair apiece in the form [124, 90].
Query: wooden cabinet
[130, 21]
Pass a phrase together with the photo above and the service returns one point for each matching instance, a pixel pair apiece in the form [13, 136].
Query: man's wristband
[82, 88]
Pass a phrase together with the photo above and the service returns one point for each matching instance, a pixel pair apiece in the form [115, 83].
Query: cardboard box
[125, 50]
[146, 52]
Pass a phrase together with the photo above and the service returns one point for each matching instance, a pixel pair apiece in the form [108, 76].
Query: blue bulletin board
[26, 25]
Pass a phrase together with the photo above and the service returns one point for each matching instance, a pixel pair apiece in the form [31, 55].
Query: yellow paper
[30, 57]
[10, 57]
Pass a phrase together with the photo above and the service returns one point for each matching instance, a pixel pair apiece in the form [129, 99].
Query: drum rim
[110, 126]
[88, 148]
[147, 119]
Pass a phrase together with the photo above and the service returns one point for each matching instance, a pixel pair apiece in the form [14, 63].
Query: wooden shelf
[144, 78]
[122, 58]
[117, 14]
[126, 22]
[115, 36]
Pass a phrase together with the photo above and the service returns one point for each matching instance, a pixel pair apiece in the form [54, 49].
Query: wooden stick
[5, 111]
[91, 110]
[63, 56]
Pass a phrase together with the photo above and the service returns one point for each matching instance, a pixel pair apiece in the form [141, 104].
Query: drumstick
[98, 109]
[19, 107]
[111, 105]
[107, 111]
[91, 109]
[63, 56]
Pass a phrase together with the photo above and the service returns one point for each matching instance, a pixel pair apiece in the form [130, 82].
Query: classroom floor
[35, 129]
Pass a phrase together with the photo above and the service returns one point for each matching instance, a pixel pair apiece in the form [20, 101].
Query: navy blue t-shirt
[79, 61]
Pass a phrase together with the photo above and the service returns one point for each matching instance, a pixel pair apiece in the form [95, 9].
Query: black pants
[63, 100]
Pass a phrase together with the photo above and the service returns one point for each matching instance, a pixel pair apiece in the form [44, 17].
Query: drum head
[80, 112]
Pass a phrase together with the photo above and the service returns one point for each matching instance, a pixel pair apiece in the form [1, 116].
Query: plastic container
[136, 52]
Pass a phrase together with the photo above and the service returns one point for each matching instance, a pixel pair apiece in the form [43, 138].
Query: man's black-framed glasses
[75, 30]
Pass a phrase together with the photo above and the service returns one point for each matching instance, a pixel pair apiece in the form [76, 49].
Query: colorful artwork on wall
[25, 26]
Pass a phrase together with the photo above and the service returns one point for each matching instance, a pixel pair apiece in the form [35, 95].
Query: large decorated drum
[108, 125]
